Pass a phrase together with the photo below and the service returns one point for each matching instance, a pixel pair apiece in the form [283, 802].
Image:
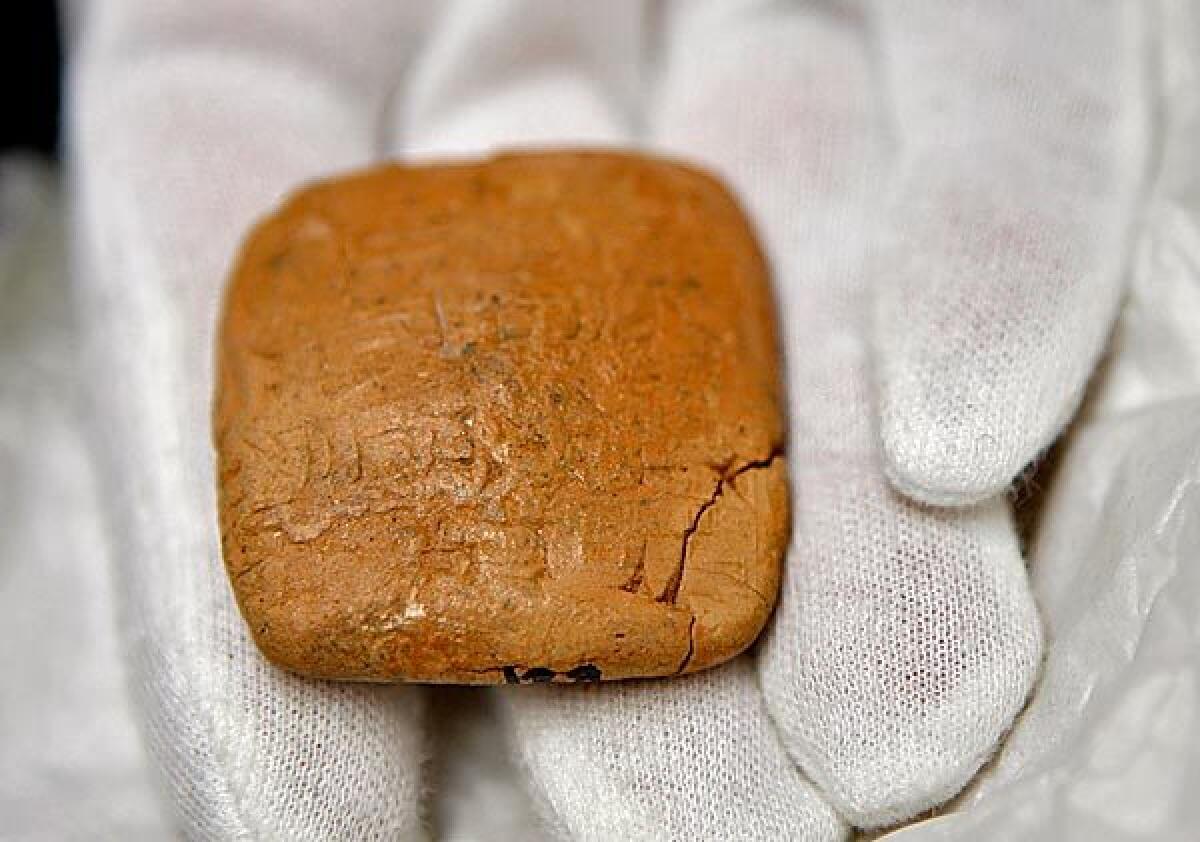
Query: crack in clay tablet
[508, 421]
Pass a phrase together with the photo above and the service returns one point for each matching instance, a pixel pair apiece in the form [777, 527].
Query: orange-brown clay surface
[515, 420]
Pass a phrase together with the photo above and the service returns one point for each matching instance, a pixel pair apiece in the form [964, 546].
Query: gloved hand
[947, 193]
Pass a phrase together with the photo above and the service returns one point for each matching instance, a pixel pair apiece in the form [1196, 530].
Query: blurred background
[70, 763]
[31, 85]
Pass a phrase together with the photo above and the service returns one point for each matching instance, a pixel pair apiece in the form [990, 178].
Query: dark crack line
[691, 650]
[670, 593]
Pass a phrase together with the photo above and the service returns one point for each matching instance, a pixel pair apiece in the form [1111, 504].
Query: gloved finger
[523, 74]
[650, 760]
[1000, 273]
[690, 758]
[905, 640]
[188, 119]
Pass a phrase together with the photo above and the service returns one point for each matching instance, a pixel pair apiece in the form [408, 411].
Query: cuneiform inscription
[308, 477]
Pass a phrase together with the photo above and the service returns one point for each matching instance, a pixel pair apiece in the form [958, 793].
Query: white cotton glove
[70, 764]
[952, 186]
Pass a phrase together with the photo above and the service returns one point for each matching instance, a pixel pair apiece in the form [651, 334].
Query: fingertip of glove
[894, 786]
[902, 751]
[940, 460]
[880, 798]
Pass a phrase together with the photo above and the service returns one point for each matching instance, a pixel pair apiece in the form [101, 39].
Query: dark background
[32, 79]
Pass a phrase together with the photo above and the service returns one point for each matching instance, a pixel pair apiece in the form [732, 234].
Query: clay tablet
[515, 421]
